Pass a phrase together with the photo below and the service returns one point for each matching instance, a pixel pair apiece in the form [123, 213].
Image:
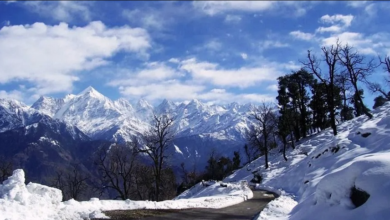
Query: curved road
[245, 210]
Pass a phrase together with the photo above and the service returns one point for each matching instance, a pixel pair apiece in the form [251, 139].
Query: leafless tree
[157, 140]
[116, 168]
[357, 69]
[72, 182]
[377, 87]
[386, 63]
[261, 134]
[5, 169]
[143, 182]
[313, 65]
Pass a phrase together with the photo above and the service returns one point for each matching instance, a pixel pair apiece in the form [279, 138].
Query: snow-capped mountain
[199, 128]
[96, 114]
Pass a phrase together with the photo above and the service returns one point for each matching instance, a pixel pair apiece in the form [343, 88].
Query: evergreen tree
[319, 106]
[379, 101]
[328, 80]
[236, 160]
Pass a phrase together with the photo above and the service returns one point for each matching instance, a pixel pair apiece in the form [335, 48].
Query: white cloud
[371, 44]
[371, 10]
[273, 87]
[357, 4]
[49, 57]
[193, 79]
[301, 35]
[244, 56]
[338, 23]
[169, 89]
[255, 97]
[61, 10]
[148, 20]
[151, 73]
[215, 7]
[222, 96]
[232, 18]
[14, 94]
[213, 45]
[284, 8]
[174, 60]
[242, 77]
[333, 28]
[210, 46]
[272, 44]
[335, 19]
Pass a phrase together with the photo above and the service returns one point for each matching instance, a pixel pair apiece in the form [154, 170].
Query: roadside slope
[322, 171]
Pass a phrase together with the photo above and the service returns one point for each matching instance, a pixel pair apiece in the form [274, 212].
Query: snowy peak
[143, 104]
[165, 107]
[91, 92]
[101, 118]
[195, 105]
[124, 106]
[11, 114]
[11, 104]
[48, 105]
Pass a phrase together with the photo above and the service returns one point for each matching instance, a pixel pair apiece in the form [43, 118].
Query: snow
[278, 209]
[34, 201]
[177, 149]
[100, 118]
[318, 177]
[315, 181]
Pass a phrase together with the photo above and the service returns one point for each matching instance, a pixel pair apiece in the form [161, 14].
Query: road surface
[244, 210]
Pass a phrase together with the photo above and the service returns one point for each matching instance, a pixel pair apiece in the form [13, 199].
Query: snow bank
[34, 201]
[278, 209]
[322, 170]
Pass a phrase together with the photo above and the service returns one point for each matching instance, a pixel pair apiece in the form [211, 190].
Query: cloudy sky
[211, 51]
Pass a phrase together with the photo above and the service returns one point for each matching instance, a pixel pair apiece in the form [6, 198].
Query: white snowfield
[38, 202]
[316, 181]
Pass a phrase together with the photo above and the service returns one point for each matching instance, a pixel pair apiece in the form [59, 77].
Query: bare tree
[386, 63]
[157, 141]
[251, 151]
[262, 133]
[72, 182]
[342, 81]
[143, 182]
[358, 70]
[116, 168]
[377, 87]
[5, 169]
[313, 65]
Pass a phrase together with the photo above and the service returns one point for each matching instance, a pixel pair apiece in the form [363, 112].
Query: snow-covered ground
[315, 182]
[19, 201]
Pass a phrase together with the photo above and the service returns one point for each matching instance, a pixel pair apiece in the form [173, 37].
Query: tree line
[326, 91]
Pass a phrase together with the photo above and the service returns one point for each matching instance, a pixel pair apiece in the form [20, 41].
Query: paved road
[244, 210]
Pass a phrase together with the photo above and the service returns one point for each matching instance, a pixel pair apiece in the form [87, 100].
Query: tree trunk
[284, 147]
[331, 106]
[265, 146]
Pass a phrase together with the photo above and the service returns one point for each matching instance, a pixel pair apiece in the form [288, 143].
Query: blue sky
[217, 52]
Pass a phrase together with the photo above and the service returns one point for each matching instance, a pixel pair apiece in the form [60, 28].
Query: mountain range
[90, 116]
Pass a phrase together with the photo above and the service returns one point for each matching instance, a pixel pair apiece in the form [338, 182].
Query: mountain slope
[42, 147]
[322, 173]
[199, 128]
